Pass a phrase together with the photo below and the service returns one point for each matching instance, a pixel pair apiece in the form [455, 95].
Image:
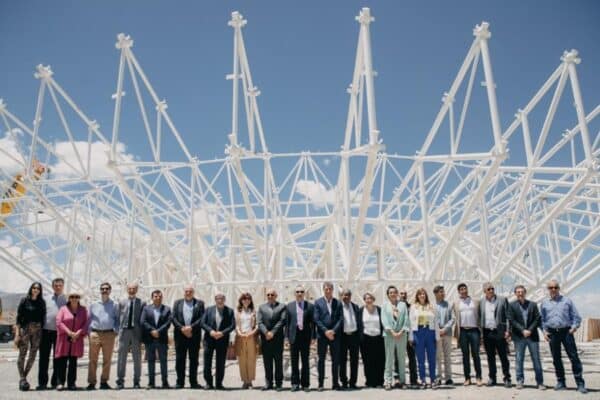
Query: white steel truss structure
[255, 219]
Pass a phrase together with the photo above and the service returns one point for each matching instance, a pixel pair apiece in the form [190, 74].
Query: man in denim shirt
[560, 320]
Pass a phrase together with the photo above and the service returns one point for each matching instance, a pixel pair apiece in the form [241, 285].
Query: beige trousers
[443, 355]
[104, 341]
[245, 349]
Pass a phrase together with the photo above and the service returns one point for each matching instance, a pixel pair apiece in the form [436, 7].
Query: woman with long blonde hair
[424, 332]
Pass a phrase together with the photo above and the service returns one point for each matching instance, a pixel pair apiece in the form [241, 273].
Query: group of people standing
[386, 337]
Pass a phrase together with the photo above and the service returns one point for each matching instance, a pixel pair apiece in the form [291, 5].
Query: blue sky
[301, 55]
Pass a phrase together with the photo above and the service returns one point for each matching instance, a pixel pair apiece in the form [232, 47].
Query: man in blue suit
[329, 321]
[155, 322]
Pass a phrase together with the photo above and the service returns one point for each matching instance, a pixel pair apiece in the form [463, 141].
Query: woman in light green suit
[396, 325]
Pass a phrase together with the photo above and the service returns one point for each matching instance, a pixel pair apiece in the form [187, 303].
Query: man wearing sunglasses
[104, 325]
[300, 331]
[271, 319]
[494, 324]
[560, 320]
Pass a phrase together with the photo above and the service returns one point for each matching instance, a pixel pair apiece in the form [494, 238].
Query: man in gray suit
[271, 319]
[494, 324]
[446, 320]
[130, 336]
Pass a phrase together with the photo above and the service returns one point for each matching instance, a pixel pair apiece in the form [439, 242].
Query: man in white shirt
[466, 312]
[350, 340]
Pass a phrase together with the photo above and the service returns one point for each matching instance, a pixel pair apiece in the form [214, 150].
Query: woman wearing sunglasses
[71, 325]
[31, 315]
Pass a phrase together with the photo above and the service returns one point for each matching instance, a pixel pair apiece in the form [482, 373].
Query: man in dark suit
[494, 324]
[300, 331]
[350, 340]
[525, 320]
[328, 319]
[187, 315]
[155, 321]
[218, 323]
[271, 318]
[130, 336]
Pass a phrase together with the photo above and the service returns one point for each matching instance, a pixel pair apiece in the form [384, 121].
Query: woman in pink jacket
[71, 327]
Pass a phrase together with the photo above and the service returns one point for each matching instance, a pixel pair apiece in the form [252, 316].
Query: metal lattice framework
[254, 219]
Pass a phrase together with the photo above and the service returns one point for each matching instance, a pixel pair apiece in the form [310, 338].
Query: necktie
[300, 316]
[130, 319]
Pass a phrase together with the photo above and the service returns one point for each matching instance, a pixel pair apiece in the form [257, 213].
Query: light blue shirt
[53, 304]
[156, 311]
[104, 316]
[559, 313]
[188, 311]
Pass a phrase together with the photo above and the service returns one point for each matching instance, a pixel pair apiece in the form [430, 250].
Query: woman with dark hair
[372, 348]
[31, 315]
[245, 339]
[424, 333]
[71, 326]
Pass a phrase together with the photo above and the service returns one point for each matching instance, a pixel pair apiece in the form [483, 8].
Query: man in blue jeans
[524, 319]
[560, 320]
[467, 318]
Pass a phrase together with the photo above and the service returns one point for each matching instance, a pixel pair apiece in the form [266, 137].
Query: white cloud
[68, 165]
[12, 281]
[8, 148]
[316, 193]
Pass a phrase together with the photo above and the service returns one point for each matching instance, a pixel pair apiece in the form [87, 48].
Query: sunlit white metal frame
[452, 217]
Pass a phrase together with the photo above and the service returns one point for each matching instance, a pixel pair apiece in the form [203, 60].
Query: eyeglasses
[490, 289]
[271, 295]
[299, 291]
[105, 289]
[74, 297]
[552, 287]
[403, 293]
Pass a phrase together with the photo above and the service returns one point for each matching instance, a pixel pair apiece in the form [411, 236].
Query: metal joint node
[237, 20]
[162, 106]
[253, 91]
[571, 57]
[123, 41]
[482, 31]
[446, 98]
[43, 72]
[94, 125]
[364, 17]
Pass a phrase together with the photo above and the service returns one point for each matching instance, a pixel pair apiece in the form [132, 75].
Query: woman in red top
[71, 327]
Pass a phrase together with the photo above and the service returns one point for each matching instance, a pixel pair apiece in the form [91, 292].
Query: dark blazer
[138, 307]
[500, 314]
[361, 331]
[517, 325]
[209, 323]
[148, 324]
[272, 319]
[307, 318]
[326, 321]
[179, 321]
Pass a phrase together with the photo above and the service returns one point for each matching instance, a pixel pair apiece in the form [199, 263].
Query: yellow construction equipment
[17, 190]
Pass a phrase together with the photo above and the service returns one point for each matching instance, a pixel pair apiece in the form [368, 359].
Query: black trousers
[62, 376]
[350, 344]
[272, 351]
[468, 341]
[372, 351]
[187, 348]
[301, 350]
[46, 347]
[152, 348]
[558, 337]
[334, 351]
[220, 348]
[493, 341]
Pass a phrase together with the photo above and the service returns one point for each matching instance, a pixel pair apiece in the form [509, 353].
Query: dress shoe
[150, 386]
[105, 386]
[72, 388]
[166, 385]
[491, 382]
[220, 387]
[507, 383]
[337, 388]
[209, 387]
[120, 386]
[321, 388]
[137, 386]
[306, 389]
[295, 388]
[195, 386]
[90, 387]
[41, 387]
[581, 389]
[178, 386]
[449, 382]
[560, 386]
[278, 388]
[353, 387]
[267, 387]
